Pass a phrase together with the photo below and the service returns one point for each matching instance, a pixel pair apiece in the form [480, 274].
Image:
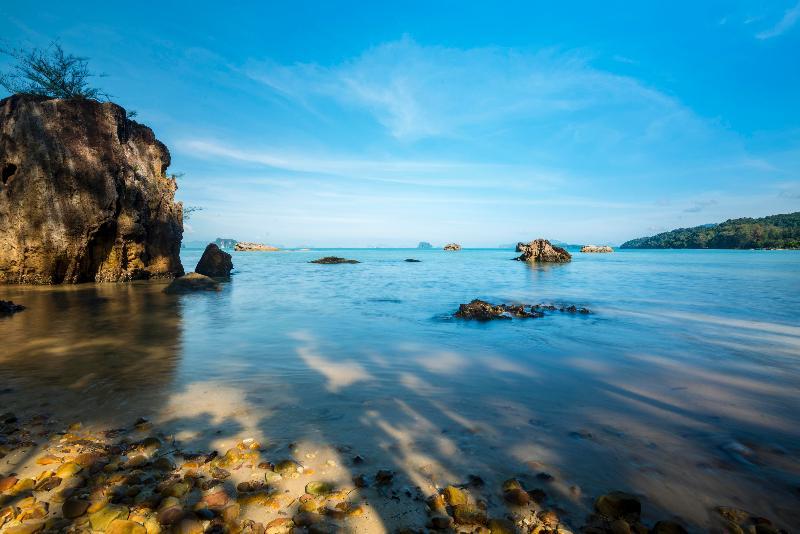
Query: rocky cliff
[84, 195]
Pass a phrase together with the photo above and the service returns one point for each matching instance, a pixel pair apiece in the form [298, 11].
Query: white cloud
[790, 17]
[419, 92]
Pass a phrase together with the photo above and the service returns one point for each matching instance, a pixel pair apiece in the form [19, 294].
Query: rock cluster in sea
[541, 250]
[595, 248]
[331, 260]
[7, 307]
[481, 310]
[214, 262]
[84, 195]
[452, 246]
[244, 246]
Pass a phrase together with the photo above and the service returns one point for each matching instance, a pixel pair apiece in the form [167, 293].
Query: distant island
[775, 231]
[424, 244]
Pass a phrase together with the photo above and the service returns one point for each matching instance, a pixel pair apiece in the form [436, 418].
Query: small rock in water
[618, 505]
[412, 260]
[9, 308]
[192, 282]
[384, 477]
[331, 260]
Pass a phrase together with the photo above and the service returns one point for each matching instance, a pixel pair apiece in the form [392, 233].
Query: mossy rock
[468, 514]
[455, 496]
[319, 488]
[101, 519]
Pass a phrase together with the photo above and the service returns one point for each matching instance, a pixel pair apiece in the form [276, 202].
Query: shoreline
[58, 477]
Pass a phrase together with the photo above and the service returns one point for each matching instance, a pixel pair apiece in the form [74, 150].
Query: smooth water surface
[682, 385]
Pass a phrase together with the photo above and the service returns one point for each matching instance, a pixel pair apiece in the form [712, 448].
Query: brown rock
[192, 282]
[596, 249]
[123, 526]
[618, 505]
[84, 195]
[215, 262]
[452, 247]
[540, 250]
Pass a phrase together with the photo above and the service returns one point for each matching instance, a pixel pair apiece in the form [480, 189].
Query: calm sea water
[682, 385]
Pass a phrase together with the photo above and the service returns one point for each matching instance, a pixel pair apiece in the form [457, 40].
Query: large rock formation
[84, 195]
[541, 250]
[214, 262]
[243, 246]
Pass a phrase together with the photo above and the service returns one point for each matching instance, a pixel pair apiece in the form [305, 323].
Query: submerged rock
[540, 250]
[192, 282]
[214, 262]
[411, 260]
[452, 246]
[9, 308]
[618, 505]
[481, 310]
[84, 195]
[331, 260]
[595, 248]
[244, 246]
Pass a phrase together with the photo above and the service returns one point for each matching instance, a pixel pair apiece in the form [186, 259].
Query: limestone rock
[84, 195]
[192, 282]
[452, 247]
[244, 246]
[595, 248]
[214, 262]
[541, 250]
[424, 245]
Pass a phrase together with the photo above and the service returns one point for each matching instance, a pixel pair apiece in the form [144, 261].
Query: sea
[682, 384]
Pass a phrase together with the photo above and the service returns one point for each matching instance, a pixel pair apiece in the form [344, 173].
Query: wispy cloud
[789, 19]
[430, 173]
[419, 92]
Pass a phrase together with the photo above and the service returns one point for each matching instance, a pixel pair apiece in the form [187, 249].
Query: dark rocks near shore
[190, 283]
[333, 260]
[9, 308]
[214, 262]
[84, 195]
[541, 250]
[480, 310]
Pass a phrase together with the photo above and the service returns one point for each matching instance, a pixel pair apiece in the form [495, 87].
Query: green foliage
[49, 72]
[775, 231]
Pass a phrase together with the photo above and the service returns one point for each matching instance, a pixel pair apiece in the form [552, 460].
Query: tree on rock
[50, 72]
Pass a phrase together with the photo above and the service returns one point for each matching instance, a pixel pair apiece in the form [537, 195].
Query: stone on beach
[214, 262]
[192, 282]
[541, 250]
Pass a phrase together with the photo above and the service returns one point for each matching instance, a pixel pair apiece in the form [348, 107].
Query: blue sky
[360, 124]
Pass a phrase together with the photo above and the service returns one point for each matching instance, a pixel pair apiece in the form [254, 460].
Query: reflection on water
[682, 386]
[97, 347]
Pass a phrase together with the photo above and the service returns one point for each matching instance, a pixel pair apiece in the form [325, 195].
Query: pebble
[73, 508]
